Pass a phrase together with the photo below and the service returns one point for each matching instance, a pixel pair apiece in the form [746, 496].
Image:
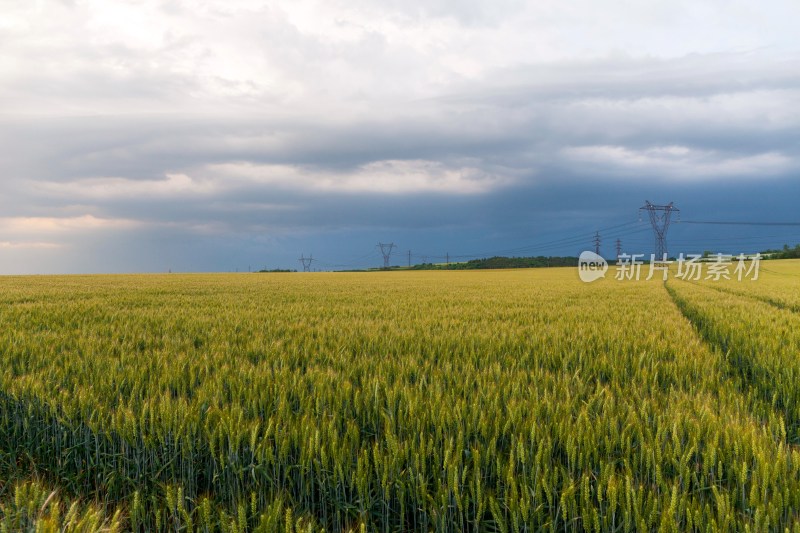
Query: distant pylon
[409, 259]
[386, 251]
[659, 218]
[597, 242]
[619, 248]
[306, 262]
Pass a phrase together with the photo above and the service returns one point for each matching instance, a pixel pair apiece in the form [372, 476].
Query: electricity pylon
[659, 218]
[306, 262]
[386, 252]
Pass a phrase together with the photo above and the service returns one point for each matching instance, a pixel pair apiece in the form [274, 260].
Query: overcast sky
[224, 135]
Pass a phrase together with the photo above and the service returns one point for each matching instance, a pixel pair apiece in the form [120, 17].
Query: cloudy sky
[220, 135]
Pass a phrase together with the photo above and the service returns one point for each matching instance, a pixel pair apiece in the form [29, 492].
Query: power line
[630, 229]
[541, 247]
[546, 245]
[728, 223]
[760, 242]
[353, 263]
[576, 239]
[791, 233]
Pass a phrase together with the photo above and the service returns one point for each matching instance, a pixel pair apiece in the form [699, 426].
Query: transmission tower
[386, 251]
[306, 262]
[619, 248]
[597, 242]
[659, 218]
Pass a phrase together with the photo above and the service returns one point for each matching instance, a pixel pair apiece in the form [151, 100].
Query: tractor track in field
[695, 318]
[794, 308]
[737, 374]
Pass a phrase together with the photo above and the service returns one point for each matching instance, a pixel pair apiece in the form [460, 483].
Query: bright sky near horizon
[219, 135]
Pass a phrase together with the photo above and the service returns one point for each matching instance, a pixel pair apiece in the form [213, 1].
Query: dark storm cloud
[482, 122]
[258, 130]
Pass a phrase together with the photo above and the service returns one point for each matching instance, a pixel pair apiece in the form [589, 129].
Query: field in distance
[521, 400]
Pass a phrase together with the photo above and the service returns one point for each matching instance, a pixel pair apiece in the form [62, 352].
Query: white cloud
[676, 162]
[16, 245]
[378, 177]
[62, 225]
[332, 56]
[174, 186]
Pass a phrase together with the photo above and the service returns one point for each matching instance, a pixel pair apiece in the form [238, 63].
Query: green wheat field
[471, 401]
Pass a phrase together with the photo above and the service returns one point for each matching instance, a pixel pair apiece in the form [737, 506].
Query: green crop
[398, 401]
